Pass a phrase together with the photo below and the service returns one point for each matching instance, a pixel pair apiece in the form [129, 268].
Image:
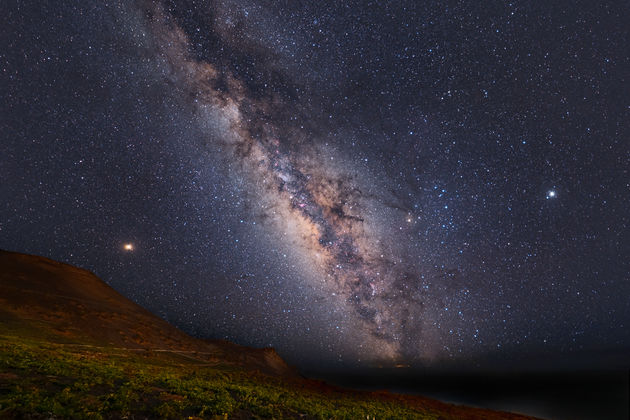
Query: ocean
[591, 395]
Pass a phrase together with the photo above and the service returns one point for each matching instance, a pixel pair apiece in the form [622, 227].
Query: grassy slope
[75, 382]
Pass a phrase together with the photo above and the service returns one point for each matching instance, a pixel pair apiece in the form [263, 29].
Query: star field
[352, 183]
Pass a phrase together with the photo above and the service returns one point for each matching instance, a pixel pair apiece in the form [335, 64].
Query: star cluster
[354, 183]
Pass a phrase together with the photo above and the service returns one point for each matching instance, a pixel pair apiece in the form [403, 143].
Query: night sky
[356, 184]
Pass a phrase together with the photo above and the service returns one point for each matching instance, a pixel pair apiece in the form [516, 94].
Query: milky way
[321, 205]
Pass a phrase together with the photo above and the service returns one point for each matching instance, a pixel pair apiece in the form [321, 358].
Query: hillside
[46, 299]
[72, 347]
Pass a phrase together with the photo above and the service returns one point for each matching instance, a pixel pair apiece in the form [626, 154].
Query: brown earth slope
[47, 299]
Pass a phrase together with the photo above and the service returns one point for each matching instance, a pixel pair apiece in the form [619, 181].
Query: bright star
[551, 194]
[128, 247]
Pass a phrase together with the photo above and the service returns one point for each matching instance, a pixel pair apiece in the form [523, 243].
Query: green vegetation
[73, 381]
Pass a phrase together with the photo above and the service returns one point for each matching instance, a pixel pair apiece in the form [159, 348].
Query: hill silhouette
[73, 347]
[43, 298]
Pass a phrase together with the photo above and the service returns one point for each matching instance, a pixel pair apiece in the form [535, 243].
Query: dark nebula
[424, 184]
